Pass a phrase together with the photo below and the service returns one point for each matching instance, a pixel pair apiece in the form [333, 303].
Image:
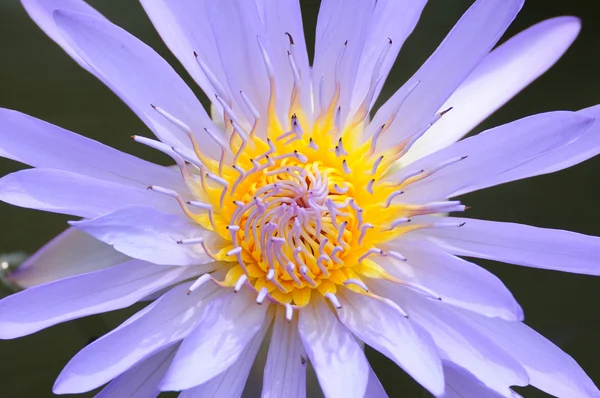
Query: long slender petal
[161, 324]
[143, 379]
[64, 192]
[338, 359]
[403, 341]
[520, 244]
[549, 368]
[230, 383]
[462, 384]
[285, 372]
[39, 144]
[71, 253]
[41, 12]
[500, 76]
[392, 20]
[148, 234]
[106, 290]
[225, 329]
[466, 45]
[456, 281]
[492, 153]
[459, 342]
[577, 151]
[115, 56]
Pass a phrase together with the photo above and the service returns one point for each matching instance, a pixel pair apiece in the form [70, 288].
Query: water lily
[291, 215]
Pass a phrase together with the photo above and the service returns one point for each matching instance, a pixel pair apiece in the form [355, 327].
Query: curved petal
[149, 234]
[466, 45]
[455, 281]
[71, 253]
[39, 144]
[158, 326]
[106, 290]
[500, 76]
[283, 17]
[338, 359]
[231, 383]
[460, 343]
[576, 151]
[492, 153]
[462, 384]
[185, 28]
[143, 379]
[342, 28]
[115, 56]
[225, 329]
[41, 12]
[285, 374]
[549, 368]
[392, 20]
[520, 244]
[64, 192]
[388, 331]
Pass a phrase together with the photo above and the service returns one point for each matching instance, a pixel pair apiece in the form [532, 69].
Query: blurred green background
[37, 78]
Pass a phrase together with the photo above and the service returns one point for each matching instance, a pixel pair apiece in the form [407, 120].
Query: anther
[290, 268]
[192, 241]
[240, 282]
[370, 186]
[370, 252]
[334, 257]
[345, 167]
[306, 277]
[356, 282]
[376, 165]
[289, 312]
[341, 230]
[234, 251]
[396, 255]
[334, 300]
[262, 294]
[388, 201]
[339, 189]
[311, 143]
[363, 231]
[220, 90]
[199, 282]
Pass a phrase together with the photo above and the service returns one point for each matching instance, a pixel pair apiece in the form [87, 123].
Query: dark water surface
[38, 79]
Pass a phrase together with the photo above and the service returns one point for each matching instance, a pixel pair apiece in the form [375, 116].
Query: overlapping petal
[42, 306]
[500, 76]
[520, 244]
[161, 324]
[151, 235]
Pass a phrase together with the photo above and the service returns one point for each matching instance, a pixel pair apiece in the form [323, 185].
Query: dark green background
[36, 77]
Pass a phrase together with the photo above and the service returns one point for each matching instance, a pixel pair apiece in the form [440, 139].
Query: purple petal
[460, 343]
[143, 379]
[549, 368]
[41, 12]
[106, 290]
[71, 253]
[386, 330]
[225, 329]
[500, 76]
[64, 192]
[115, 56]
[374, 387]
[466, 45]
[39, 144]
[392, 20]
[520, 244]
[576, 151]
[462, 384]
[158, 326]
[231, 383]
[339, 22]
[285, 375]
[492, 153]
[456, 281]
[338, 359]
[148, 234]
